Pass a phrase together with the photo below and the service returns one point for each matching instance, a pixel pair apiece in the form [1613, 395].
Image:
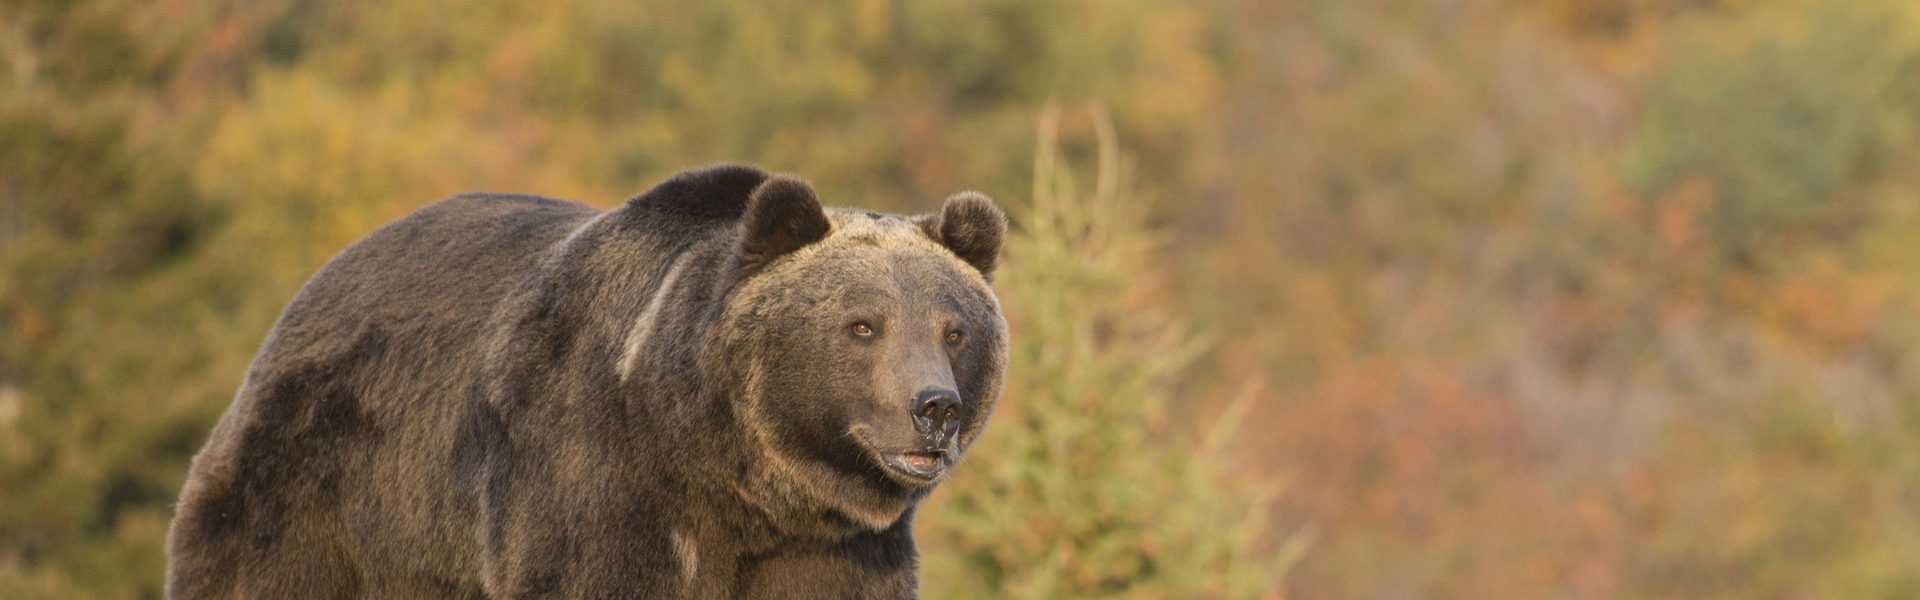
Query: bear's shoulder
[711, 195]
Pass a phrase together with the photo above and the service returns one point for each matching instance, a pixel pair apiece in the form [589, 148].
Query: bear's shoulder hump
[707, 195]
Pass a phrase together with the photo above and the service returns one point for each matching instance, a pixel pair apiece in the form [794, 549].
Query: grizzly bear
[719, 389]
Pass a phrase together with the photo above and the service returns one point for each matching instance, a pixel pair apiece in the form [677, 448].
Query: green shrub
[1077, 490]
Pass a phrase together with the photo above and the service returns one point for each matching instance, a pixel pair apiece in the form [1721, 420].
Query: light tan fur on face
[890, 236]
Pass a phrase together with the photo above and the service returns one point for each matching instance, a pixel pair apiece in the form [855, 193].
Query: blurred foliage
[1056, 508]
[1778, 119]
[1567, 298]
[1575, 299]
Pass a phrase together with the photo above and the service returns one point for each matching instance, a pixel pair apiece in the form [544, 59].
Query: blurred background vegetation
[1311, 298]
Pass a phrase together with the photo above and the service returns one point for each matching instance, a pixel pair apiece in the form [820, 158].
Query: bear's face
[872, 354]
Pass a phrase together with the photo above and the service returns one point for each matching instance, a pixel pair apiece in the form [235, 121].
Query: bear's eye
[862, 329]
[954, 337]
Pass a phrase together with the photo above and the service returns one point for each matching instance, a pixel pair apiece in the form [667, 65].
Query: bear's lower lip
[919, 465]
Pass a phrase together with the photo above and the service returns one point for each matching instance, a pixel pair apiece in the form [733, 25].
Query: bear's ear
[972, 227]
[782, 216]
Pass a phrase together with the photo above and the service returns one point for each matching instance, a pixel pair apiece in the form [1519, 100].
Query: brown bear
[719, 389]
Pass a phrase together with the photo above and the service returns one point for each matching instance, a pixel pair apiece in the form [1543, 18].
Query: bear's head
[870, 348]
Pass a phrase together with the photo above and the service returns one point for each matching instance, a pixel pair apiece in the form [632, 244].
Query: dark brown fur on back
[515, 397]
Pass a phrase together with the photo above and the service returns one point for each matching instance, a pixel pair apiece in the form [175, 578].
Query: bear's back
[367, 367]
[454, 257]
[427, 283]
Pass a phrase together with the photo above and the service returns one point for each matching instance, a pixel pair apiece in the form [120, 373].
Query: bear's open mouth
[921, 465]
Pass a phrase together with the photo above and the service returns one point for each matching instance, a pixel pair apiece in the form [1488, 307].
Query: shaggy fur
[705, 393]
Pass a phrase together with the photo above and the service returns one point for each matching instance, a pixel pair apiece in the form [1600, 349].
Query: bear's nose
[936, 413]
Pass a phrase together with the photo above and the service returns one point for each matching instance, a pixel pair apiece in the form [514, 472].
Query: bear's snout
[937, 414]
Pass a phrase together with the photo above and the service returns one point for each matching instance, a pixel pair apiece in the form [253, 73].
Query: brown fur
[516, 397]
